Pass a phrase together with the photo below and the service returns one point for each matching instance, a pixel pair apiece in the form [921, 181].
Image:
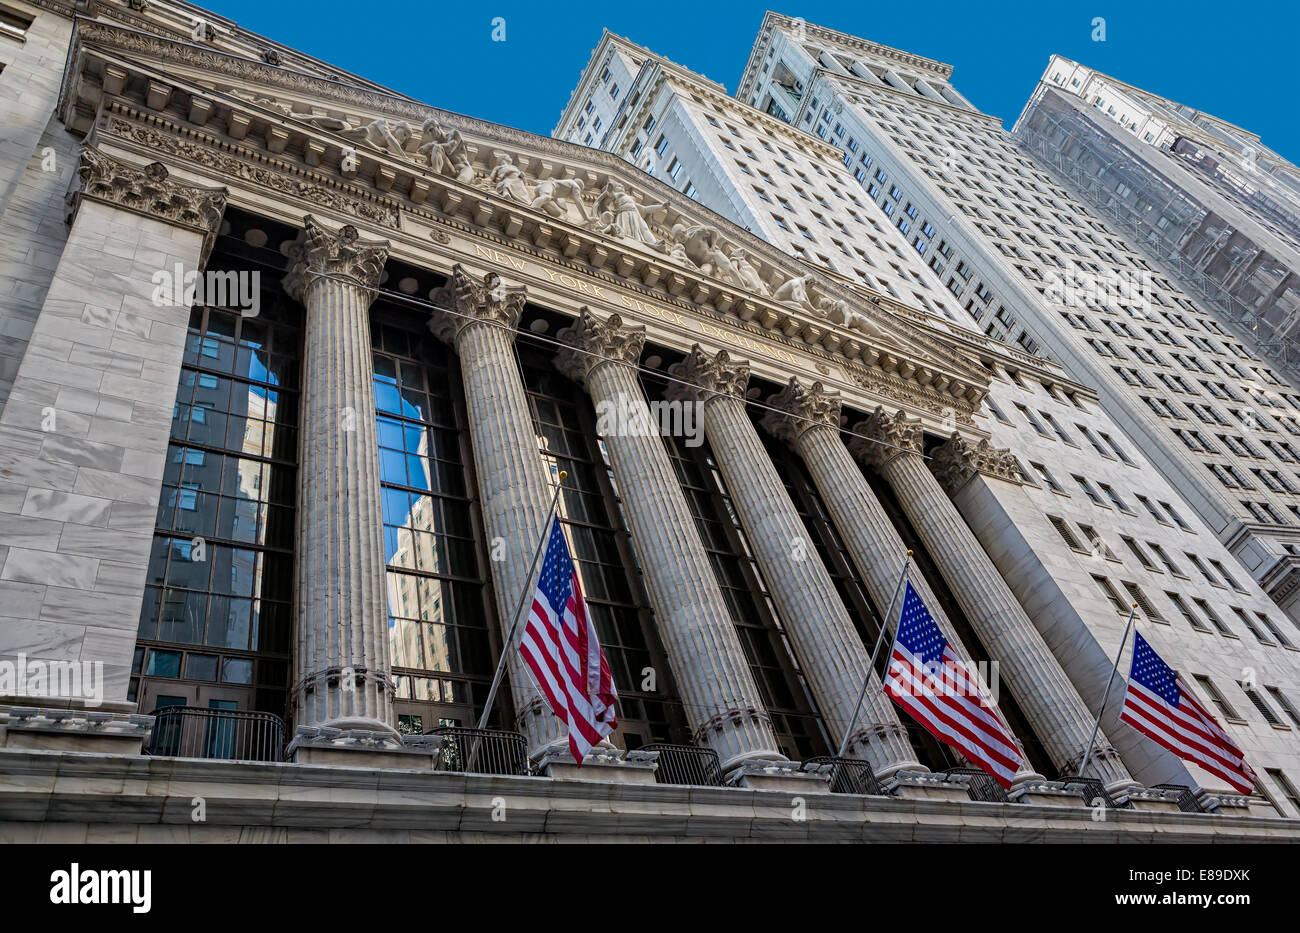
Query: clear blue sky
[1231, 59]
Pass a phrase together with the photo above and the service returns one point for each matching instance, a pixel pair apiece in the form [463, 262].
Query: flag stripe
[560, 648]
[930, 681]
[1158, 704]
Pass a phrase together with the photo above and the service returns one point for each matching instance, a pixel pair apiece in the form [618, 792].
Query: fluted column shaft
[722, 700]
[829, 649]
[1060, 718]
[514, 496]
[811, 426]
[342, 661]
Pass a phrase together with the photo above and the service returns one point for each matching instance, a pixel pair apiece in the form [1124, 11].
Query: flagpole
[866, 682]
[523, 599]
[1087, 757]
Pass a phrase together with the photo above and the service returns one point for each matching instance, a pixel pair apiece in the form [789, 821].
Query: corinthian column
[342, 669]
[722, 701]
[830, 651]
[808, 420]
[1057, 712]
[514, 495]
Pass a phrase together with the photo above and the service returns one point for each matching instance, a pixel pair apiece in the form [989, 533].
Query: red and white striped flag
[928, 679]
[1160, 706]
[561, 648]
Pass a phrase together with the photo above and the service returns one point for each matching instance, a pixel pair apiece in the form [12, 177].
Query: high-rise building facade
[1034, 265]
[299, 364]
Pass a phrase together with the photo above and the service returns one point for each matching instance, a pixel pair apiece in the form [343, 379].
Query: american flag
[1158, 705]
[929, 680]
[560, 647]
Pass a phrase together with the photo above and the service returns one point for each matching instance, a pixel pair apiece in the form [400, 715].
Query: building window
[216, 617]
[14, 25]
[1215, 697]
[439, 642]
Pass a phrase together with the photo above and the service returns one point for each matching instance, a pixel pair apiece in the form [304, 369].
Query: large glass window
[218, 605]
[438, 620]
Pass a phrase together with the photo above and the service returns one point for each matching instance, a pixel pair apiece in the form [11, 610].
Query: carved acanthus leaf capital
[884, 436]
[800, 409]
[592, 342]
[150, 190]
[319, 251]
[957, 461]
[469, 300]
[705, 376]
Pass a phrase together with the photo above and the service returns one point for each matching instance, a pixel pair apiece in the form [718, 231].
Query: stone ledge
[789, 776]
[601, 764]
[925, 785]
[60, 792]
[361, 748]
[70, 729]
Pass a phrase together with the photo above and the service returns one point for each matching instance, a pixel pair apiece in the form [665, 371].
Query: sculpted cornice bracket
[956, 462]
[319, 251]
[882, 437]
[801, 409]
[150, 191]
[592, 342]
[705, 377]
[468, 300]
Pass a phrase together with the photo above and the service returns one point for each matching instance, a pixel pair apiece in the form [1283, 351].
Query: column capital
[800, 409]
[488, 300]
[957, 461]
[707, 376]
[592, 342]
[883, 436]
[320, 251]
[150, 190]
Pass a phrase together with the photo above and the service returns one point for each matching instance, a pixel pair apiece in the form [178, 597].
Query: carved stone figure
[702, 245]
[620, 214]
[509, 181]
[746, 272]
[796, 292]
[553, 193]
[394, 138]
[445, 151]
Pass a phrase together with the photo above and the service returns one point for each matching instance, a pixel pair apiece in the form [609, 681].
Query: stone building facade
[295, 363]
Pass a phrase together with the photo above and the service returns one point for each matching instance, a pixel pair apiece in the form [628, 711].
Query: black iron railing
[1091, 790]
[686, 764]
[849, 775]
[1188, 802]
[480, 751]
[982, 786]
[199, 732]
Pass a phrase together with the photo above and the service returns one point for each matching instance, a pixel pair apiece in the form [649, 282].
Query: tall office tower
[1204, 199]
[1034, 265]
[811, 187]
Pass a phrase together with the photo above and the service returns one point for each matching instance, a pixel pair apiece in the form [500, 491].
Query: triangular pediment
[584, 203]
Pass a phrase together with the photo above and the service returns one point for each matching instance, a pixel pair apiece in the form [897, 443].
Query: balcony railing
[1187, 799]
[982, 786]
[480, 751]
[1091, 790]
[199, 732]
[686, 764]
[849, 775]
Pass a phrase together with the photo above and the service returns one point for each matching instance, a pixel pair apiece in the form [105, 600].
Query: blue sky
[1233, 60]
